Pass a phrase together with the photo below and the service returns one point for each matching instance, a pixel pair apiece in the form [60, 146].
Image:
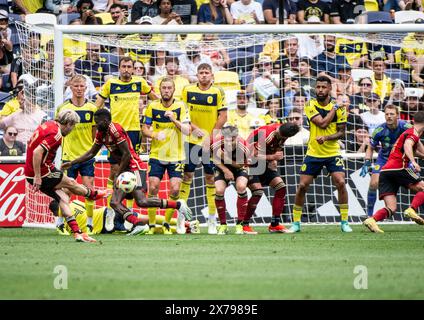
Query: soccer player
[266, 149]
[78, 142]
[41, 173]
[165, 122]
[230, 155]
[401, 169]
[327, 125]
[124, 95]
[208, 113]
[117, 141]
[383, 137]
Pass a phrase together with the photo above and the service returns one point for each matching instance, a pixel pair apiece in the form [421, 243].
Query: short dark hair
[391, 106]
[81, 2]
[288, 129]
[172, 59]
[115, 5]
[125, 59]
[419, 117]
[204, 66]
[324, 79]
[295, 110]
[103, 112]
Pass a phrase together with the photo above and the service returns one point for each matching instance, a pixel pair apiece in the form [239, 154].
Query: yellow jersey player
[327, 125]
[165, 122]
[208, 113]
[124, 95]
[240, 117]
[78, 142]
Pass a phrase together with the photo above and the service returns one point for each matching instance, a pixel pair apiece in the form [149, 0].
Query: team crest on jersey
[134, 87]
[210, 99]
[87, 116]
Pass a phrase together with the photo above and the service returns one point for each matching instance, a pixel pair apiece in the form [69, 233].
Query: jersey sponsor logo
[203, 99]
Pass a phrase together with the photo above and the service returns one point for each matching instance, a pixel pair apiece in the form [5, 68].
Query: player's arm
[85, 157]
[323, 122]
[341, 129]
[218, 159]
[420, 150]
[100, 101]
[126, 156]
[185, 127]
[153, 95]
[222, 118]
[409, 152]
[37, 159]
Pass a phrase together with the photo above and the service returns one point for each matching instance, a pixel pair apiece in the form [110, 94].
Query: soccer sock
[220, 207]
[372, 197]
[241, 206]
[344, 208]
[152, 213]
[278, 203]
[89, 208]
[130, 203]
[210, 197]
[73, 224]
[109, 187]
[252, 204]
[418, 200]
[297, 213]
[185, 190]
[170, 212]
[131, 218]
[60, 219]
[381, 214]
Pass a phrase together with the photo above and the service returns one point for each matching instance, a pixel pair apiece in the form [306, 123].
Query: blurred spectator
[191, 60]
[381, 83]
[274, 111]
[344, 83]
[377, 50]
[86, 11]
[310, 45]
[328, 61]
[307, 78]
[92, 66]
[216, 12]
[410, 5]
[213, 47]
[345, 11]
[397, 95]
[357, 141]
[412, 47]
[302, 137]
[166, 16]
[263, 83]
[291, 88]
[12, 105]
[271, 9]
[240, 117]
[15, 71]
[172, 66]
[59, 6]
[353, 121]
[313, 11]
[139, 69]
[141, 8]
[26, 6]
[9, 146]
[355, 52]
[343, 100]
[290, 58]
[6, 45]
[299, 101]
[247, 12]
[374, 117]
[74, 49]
[69, 72]
[118, 14]
[412, 103]
[102, 5]
[187, 10]
[157, 64]
[365, 87]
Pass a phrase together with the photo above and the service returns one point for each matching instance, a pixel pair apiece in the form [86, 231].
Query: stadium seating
[401, 74]
[371, 5]
[408, 16]
[105, 16]
[228, 80]
[6, 87]
[4, 5]
[41, 19]
[374, 17]
[66, 18]
[361, 73]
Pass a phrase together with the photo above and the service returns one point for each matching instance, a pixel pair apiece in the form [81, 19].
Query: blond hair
[67, 116]
[78, 78]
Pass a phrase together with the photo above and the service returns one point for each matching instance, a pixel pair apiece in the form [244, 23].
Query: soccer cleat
[212, 227]
[89, 229]
[294, 228]
[223, 229]
[166, 229]
[194, 227]
[109, 220]
[277, 229]
[83, 237]
[62, 230]
[184, 209]
[181, 223]
[412, 214]
[249, 230]
[97, 194]
[239, 229]
[345, 227]
[152, 230]
[371, 224]
[139, 229]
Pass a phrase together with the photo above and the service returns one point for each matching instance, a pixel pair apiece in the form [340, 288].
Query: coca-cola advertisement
[12, 195]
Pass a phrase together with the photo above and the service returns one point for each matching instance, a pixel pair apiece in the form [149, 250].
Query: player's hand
[66, 165]
[160, 136]
[198, 133]
[228, 175]
[170, 114]
[279, 155]
[414, 166]
[365, 168]
[320, 139]
[37, 184]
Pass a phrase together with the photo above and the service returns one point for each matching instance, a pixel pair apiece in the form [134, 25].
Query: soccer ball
[127, 181]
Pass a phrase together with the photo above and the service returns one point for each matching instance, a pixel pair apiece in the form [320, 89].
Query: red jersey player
[42, 174]
[401, 169]
[230, 156]
[116, 140]
[266, 144]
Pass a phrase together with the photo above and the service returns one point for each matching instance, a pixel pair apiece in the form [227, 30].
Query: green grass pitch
[319, 263]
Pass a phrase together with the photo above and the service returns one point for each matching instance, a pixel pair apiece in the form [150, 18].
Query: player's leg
[242, 201]
[339, 180]
[220, 186]
[79, 189]
[278, 203]
[156, 171]
[175, 174]
[135, 137]
[299, 200]
[257, 190]
[210, 199]
[192, 161]
[87, 177]
[417, 202]
[372, 191]
[114, 168]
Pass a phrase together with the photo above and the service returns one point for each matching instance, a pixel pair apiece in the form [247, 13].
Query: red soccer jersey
[264, 139]
[397, 158]
[49, 137]
[240, 154]
[115, 135]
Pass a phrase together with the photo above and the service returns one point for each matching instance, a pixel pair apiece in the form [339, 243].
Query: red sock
[220, 207]
[279, 202]
[241, 206]
[73, 224]
[381, 214]
[132, 219]
[418, 201]
[251, 207]
[171, 204]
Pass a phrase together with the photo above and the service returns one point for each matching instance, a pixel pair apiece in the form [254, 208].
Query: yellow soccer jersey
[411, 44]
[74, 49]
[268, 119]
[203, 106]
[351, 49]
[328, 148]
[78, 210]
[124, 100]
[80, 140]
[179, 81]
[382, 87]
[172, 148]
[135, 42]
[241, 122]
[10, 107]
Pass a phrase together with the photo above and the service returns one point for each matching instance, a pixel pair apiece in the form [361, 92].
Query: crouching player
[401, 169]
[42, 175]
[230, 154]
[116, 140]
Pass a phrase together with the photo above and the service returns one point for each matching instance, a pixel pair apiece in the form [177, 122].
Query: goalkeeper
[383, 138]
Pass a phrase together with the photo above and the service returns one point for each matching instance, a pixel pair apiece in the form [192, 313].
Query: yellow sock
[130, 204]
[210, 197]
[109, 187]
[344, 208]
[152, 213]
[161, 219]
[89, 208]
[185, 190]
[170, 212]
[297, 213]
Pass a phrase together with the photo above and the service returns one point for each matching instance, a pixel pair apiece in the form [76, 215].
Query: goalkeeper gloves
[365, 168]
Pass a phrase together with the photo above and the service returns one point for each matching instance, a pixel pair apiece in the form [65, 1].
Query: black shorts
[265, 178]
[237, 172]
[390, 181]
[49, 182]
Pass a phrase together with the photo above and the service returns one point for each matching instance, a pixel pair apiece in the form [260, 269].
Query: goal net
[278, 71]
